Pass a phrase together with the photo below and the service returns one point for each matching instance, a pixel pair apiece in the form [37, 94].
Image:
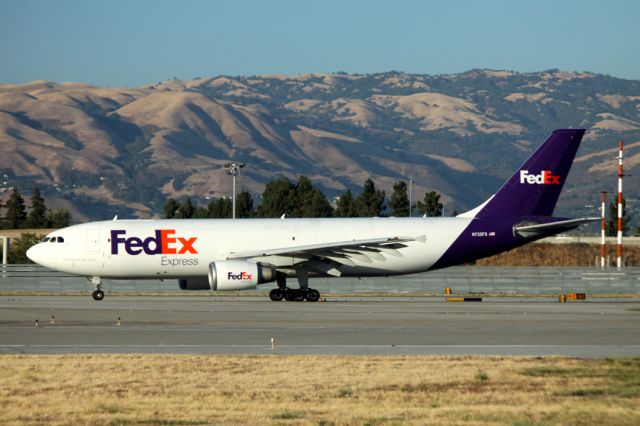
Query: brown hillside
[105, 151]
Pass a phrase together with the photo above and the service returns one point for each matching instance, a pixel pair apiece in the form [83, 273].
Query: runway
[215, 325]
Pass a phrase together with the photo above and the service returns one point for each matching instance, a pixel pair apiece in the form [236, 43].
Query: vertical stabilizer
[534, 188]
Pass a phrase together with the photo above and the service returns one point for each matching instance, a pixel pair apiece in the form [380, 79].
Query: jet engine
[196, 283]
[225, 275]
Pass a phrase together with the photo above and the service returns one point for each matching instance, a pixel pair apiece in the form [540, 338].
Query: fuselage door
[93, 241]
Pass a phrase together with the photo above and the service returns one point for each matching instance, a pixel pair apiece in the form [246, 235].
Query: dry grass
[300, 390]
[569, 255]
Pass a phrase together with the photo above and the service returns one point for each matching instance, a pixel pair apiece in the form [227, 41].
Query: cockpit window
[53, 240]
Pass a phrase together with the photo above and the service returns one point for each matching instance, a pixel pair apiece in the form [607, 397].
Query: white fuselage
[116, 249]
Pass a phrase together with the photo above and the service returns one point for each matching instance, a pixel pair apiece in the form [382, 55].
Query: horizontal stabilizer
[541, 229]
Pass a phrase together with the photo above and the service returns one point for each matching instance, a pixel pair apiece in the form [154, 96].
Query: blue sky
[127, 43]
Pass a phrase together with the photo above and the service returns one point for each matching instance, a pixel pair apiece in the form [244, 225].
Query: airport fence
[461, 279]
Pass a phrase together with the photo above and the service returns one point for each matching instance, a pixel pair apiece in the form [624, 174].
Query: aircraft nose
[33, 253]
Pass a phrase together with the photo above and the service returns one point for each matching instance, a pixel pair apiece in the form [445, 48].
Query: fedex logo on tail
[546, 177]
[163, 242]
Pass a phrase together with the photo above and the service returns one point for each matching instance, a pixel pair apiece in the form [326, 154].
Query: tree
[317, 206]
[37, 217]
[370, 202]
[186, 209]
[399, 201]
[431, 206]
[219, 208]
[171, 207]
[612, 224]
[16, 214]
[309, 201]
[59, 218]
[19, 247]
[300, 199]
[277, 199]
[244, 205]
[346, 205]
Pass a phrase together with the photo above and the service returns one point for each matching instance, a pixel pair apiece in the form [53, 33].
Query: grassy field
[300, 390]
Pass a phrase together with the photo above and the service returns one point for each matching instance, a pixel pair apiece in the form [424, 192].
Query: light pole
[410, 196]
[603, 228]
[232, 169]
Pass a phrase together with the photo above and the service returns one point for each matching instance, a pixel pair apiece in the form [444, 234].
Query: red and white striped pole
[603, 231]
[620, 175]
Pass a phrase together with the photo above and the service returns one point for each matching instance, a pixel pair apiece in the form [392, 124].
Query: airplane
[240, 254]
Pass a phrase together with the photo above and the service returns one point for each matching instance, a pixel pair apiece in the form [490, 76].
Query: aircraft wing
[327, 257]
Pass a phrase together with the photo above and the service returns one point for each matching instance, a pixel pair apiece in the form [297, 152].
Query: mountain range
[102, 151]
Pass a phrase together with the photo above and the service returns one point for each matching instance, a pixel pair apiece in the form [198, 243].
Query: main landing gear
[294, 294]
[97, 294]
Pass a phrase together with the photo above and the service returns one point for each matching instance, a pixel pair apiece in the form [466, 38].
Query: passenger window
[60, 240]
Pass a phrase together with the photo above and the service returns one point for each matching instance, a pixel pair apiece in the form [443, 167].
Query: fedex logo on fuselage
[546, 177]
[243, 276]
[163, 242]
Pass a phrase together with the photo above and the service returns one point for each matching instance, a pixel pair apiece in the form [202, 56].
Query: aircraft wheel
[289, 295]
[299, 296]
[276, 295]
[313, 295]
[98, 295]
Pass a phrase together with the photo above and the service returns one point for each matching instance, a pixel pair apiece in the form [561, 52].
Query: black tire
[299, 296]
[98, 295]
[313, 295]
[276, 295]
[289, 295]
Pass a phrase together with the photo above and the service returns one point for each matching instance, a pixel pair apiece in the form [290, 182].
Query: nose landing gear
[97, 294]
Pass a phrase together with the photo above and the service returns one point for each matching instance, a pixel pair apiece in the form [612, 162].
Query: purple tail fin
[535, 187]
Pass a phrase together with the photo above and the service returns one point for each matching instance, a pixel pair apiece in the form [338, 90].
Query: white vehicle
[225, 254]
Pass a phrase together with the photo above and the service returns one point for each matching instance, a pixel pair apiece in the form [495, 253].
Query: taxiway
[354, 325]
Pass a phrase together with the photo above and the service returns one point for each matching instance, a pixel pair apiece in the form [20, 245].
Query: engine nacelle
[226, 275]
[196, 283]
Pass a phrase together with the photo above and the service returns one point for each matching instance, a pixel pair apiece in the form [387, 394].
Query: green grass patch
[345, 393]
[109, 408]
[481, 376]
[620, 375]
[527, 422]
[588, 392]
[288, 415]
[546, 372]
